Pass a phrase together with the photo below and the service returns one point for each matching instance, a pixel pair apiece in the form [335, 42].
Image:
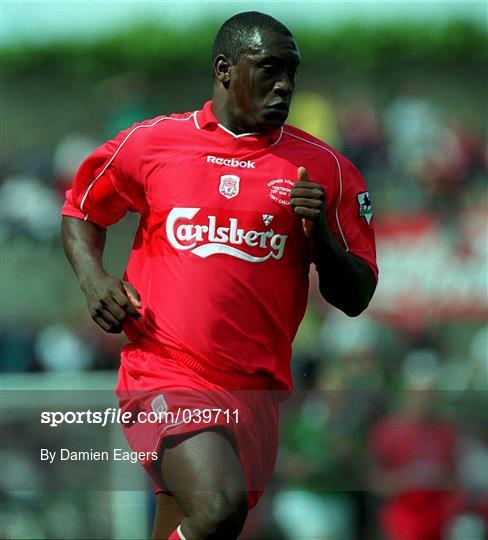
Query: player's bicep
[352, 215]
[103, 203]
[99, 201]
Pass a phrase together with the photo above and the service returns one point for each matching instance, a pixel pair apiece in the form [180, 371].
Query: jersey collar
[205, 119]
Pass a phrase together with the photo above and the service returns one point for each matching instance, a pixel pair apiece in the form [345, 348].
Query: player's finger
[302, 175]
[99, 311]
[108, 317]
[114, 308]
[102, 323]
[308, 213]
[110, 328]
[120, 297]
[313, 192]
[305, 184]
[132, 294]
[308, 203]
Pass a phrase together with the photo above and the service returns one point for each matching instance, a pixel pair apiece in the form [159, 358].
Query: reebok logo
[231, 162]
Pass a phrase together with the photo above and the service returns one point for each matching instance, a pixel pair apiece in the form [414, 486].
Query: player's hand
[307, 200]
[110, 301]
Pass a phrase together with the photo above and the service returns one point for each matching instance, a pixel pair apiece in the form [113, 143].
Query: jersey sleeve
[106, 185]
[351, 215]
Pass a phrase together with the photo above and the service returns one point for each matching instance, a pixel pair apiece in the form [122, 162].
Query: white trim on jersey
[118, 150]
[180, 534]
[233, 134]
[195, 119]
[279, 138]
[340, 181]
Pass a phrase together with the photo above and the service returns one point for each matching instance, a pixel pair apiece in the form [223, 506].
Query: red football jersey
[219, 259]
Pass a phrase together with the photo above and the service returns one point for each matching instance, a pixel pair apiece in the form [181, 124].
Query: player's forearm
[83, 244]
[345, 281]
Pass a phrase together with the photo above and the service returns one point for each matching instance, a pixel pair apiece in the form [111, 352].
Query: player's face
[262, 83]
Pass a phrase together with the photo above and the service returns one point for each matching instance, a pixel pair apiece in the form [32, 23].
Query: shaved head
[242, 33]
[255, 60]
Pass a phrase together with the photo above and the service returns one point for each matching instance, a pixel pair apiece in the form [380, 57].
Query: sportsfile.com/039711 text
[112, 415]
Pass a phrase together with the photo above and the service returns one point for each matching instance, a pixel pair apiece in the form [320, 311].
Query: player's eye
[269, 68]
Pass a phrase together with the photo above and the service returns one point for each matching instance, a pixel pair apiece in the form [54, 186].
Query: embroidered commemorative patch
[279, 190]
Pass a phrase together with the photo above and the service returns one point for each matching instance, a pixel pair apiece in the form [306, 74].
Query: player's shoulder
[315, 146]
[162, 127]
[311, 143]
[150, 133]
[163, 121]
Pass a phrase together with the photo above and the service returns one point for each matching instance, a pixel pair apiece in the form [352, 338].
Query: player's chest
[207, 203]
[223, 182]
[220, 179]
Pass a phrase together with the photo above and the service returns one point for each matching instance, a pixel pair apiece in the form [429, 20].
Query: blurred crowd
[386, 434]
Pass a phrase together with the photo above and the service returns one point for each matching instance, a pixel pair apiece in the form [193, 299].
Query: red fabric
[220, 261]
[174, 535]
[148, 382]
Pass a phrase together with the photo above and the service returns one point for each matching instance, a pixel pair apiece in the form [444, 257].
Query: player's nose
[284, 85]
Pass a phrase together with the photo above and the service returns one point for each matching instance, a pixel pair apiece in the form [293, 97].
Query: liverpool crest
[229, 186]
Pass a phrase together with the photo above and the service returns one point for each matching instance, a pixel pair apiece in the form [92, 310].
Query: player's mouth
[279, 106]
[278, 111]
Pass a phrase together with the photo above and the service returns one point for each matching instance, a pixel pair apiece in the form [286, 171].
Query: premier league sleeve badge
[365, 206]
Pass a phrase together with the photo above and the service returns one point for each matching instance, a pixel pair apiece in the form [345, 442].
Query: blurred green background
[400, 89]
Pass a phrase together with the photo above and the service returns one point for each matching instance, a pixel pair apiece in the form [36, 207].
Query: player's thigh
[202, 467]
[168, 516]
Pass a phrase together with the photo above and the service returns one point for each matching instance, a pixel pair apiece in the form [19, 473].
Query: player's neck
[223, 111]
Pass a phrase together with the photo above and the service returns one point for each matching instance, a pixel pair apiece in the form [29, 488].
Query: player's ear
[221, 70]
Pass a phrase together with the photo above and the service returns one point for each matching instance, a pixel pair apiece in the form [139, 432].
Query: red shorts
[167, 399]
